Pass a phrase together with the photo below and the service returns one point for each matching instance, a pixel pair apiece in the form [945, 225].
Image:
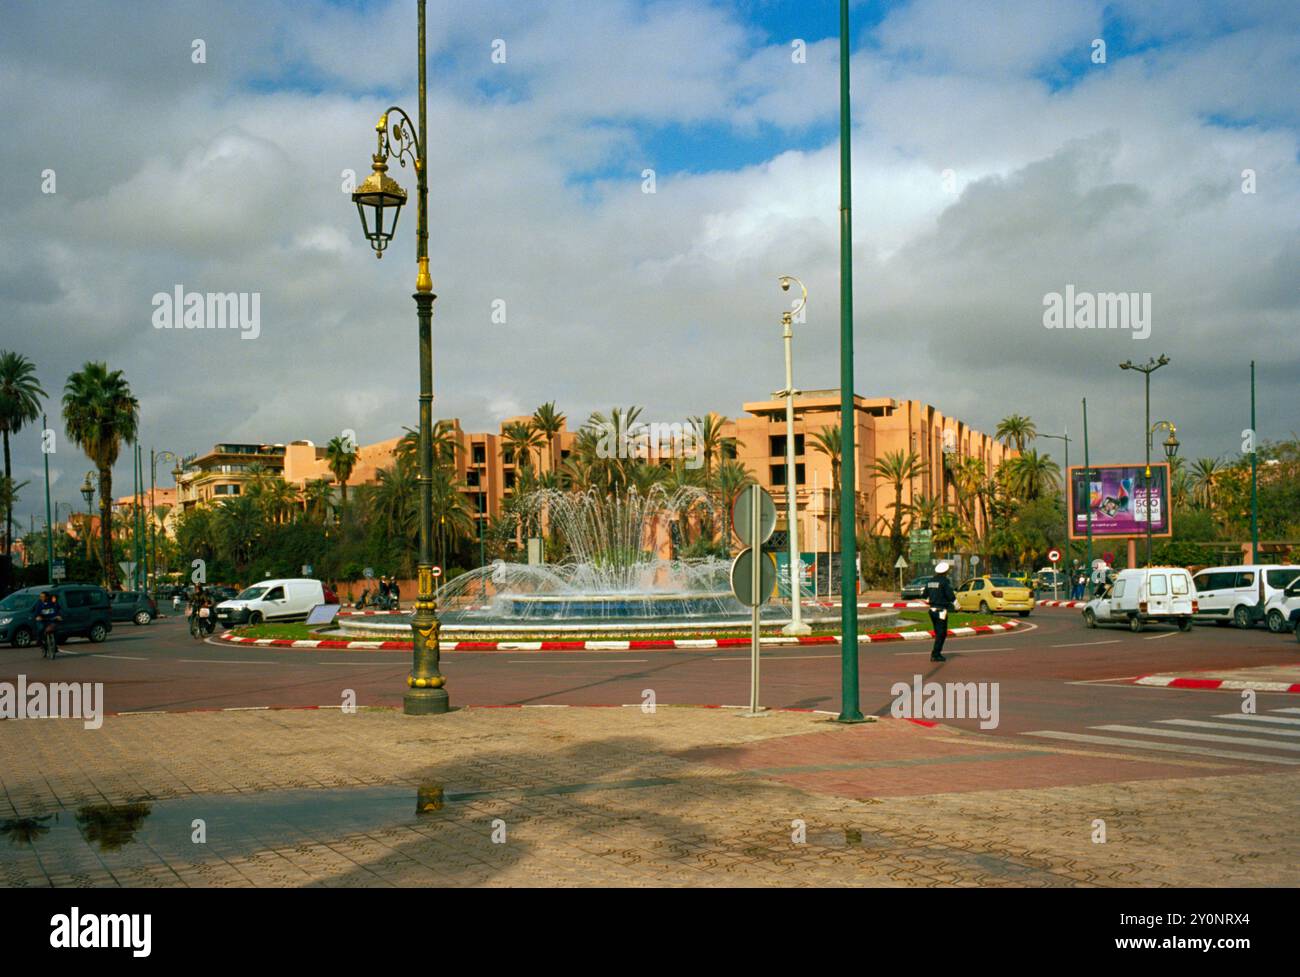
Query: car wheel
[1276, 622]
[1241, 617]
[98, 633]
[255, 617]
[1135, 624]
[143, 617]
[1023, 613]
[22, 638]
[1089, 618]
[984, 607]
[1184, 624]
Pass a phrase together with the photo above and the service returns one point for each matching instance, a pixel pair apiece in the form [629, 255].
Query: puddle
[232, 825]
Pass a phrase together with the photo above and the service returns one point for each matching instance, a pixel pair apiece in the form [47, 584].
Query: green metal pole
[1066, 562]
[849, 709]
[49, 526]
[1087, 487]
[1254, 476]
[1148, 467]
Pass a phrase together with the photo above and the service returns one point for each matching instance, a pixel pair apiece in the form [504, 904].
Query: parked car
[1048, 581]
[274, 600]
[86, 611]
[1241, 595]
[915, 589]
[1283, 610]
[133, 605]
[1141, 596]
[992, 594]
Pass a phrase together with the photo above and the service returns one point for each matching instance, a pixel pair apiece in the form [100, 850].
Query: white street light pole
[796, 625]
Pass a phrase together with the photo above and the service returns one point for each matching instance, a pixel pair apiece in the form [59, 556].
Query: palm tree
[316, 499]
[898, 467]
[1202, 477]
[452, 518]
[237, 523]
[708, 431]
[100, 414]
[341, 457]
[444, 442]
[520, 439]
[732, 479]
[1016, 429]
[548, 422]
[20, 404]
[829, 441]
[1032, 475]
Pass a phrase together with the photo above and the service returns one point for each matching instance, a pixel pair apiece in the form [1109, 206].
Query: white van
[1148, 594]
[1282, 613]
[274, 600]
[1240, 594]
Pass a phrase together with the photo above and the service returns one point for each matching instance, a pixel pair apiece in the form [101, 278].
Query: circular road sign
[742, 516]
[437, 572]
[1054, 556]
[974, 561]
[742, 577]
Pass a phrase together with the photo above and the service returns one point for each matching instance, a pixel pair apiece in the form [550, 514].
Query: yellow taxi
[993, 594]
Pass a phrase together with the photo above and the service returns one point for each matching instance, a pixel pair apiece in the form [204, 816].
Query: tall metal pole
[1254, 476]
[1087, 484]
[49, 528]
[849, 709]
[1148, 468]
[796, 625]
[426, 694]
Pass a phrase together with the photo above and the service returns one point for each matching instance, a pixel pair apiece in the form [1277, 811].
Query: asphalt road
[1054, 675]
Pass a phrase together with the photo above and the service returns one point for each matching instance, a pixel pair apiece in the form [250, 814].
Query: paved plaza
[617, 796]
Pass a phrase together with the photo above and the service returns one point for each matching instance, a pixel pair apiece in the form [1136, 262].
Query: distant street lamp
[1151, 366]
[154, 458]
[379, 201]
[796, 625]
[88, 493]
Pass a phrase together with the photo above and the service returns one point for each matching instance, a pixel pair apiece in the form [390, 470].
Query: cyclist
[200, 598]
[48, 616]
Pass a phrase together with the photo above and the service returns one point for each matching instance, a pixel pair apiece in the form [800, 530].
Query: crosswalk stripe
[1259, 719]
[1114, 741]
[1286, 710]
[1233, 726]
[1208, 737]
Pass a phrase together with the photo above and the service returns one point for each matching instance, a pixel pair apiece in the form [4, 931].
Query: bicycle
[198, 623]
[50, 644]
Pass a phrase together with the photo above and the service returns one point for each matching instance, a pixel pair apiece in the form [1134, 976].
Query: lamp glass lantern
[379, 202]
[1171, 446]
[87, 491]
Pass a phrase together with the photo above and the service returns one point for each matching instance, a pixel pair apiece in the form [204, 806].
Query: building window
[471, 478]
[481, 502]
[225, 490]
[776, 445]
[510, 480]
[480, 454]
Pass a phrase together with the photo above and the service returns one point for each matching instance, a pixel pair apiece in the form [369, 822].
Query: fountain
[617, 575]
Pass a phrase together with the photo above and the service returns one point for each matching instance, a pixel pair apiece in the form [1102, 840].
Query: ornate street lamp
[379, 201]
[88, 493]
[1151, 366]
[796, 625]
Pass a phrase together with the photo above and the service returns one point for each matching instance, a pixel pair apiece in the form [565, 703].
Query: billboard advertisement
[1117, 496]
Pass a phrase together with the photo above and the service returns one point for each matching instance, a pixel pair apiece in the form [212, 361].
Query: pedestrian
[942, 599]
[396, 593]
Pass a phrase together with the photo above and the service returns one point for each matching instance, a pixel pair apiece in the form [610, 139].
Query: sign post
[900, 566]
[753, 572]
[1055, 556]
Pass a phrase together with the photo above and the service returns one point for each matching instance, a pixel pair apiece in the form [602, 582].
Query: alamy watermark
[180, 309]
[947, 700]
[54, 700]
[1098, 310]
[655, 440]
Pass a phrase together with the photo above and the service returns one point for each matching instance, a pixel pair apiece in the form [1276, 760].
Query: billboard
[1117, 496]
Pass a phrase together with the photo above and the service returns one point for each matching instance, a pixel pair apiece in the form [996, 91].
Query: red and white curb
[1062, 603]
[1229, 684]
[666, 644]
[508, 705]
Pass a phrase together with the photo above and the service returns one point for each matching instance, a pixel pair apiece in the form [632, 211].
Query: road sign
[1054, 556]
[974, 561]
[306, 569]
[60, 569]
[920, 545]
[437, 572]
[900, 563]
[742, 515]
[368, 573]
[742, 573]
[128, 569]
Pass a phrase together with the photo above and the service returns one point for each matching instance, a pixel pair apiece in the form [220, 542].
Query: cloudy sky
[1002, 151]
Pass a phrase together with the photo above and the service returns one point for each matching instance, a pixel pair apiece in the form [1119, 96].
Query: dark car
[86, 610]
[133, 605]
[915, 590]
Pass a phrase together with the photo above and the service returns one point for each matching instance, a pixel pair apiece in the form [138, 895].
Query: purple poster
[1117, 496]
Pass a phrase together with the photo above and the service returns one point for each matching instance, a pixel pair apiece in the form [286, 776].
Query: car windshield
[22, 600]
[252, 593]
[1005, 582]
[919, 581]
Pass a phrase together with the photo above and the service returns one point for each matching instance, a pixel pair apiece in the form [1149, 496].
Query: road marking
[1087, 644]
[1052, 734]
[1157, 637]
[1261, 719]
[1285, 710]
[576, 661]
[381, 664]
[952, 651]
[124, 658]
[777, 658]
[1245, 729]
[222, 661]
[1209, 737]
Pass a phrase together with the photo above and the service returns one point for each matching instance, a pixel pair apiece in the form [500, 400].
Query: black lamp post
[88, 493]
[1151, 366]
[379, 201]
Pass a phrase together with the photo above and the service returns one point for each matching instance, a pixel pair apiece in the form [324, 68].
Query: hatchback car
[993, 594]
[133, 605]
[915, 589]
[85, 608]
